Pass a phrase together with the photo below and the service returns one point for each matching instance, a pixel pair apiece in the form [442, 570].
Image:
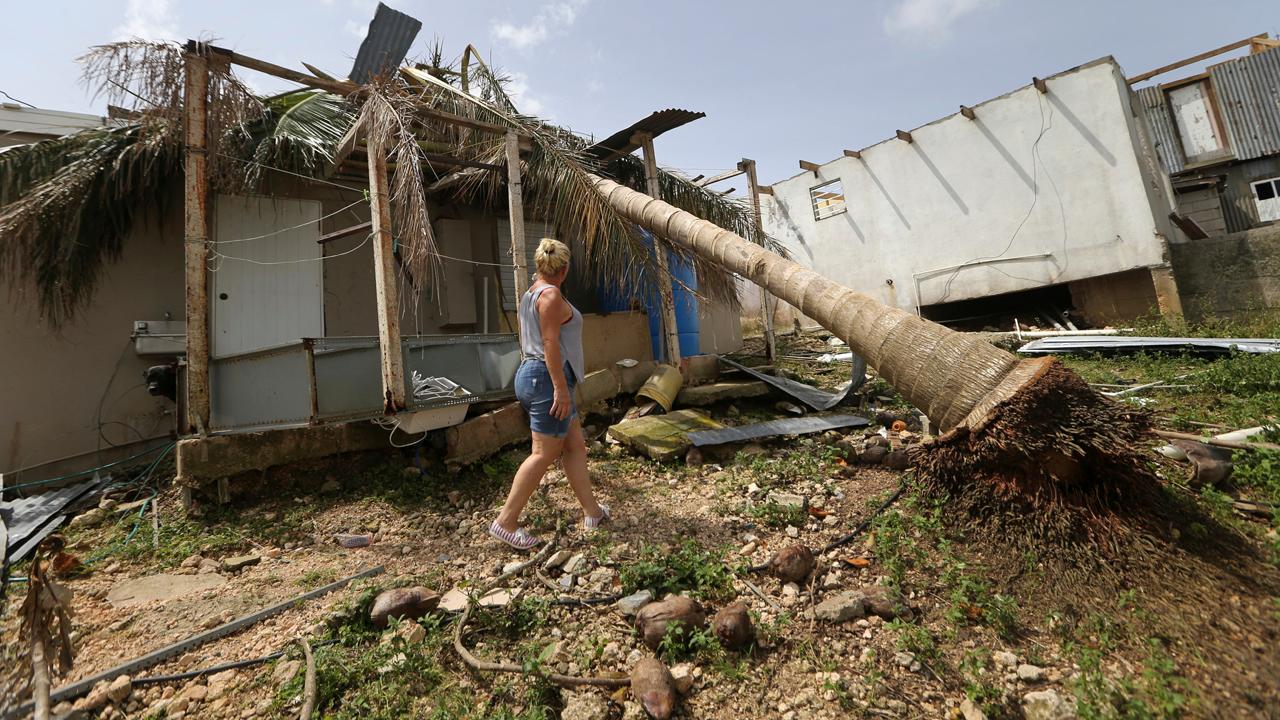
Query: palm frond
[78, 200]
[299, 132]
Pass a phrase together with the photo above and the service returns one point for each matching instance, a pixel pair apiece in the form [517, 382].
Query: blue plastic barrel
[613, 300]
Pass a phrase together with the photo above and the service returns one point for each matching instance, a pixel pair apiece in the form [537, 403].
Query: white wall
[1039, 189]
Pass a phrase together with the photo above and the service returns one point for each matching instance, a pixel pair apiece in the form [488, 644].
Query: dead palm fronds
[46, 637]
[299, 132]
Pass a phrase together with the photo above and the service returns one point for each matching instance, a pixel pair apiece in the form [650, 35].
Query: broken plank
[346, 232]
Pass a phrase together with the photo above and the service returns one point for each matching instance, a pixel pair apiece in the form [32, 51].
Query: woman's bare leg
[546, 449]
[574, 460]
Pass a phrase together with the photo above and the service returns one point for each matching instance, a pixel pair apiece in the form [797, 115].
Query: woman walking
[551, 343]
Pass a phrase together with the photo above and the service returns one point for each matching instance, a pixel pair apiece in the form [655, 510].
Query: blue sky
[779, 81]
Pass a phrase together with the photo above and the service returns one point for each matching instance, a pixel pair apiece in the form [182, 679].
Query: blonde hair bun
[551, 257]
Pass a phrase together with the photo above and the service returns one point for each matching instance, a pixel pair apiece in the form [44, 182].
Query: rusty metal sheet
[807, 394]
[391, 34]
[658, 122]
[770, 428]
[1164, 133]
[1248, 90]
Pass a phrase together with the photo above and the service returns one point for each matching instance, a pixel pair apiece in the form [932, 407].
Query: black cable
[866, 523]
[24, 102]
[233, 665]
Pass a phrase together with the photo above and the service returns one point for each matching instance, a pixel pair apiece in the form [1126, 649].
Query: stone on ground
[454, 601]
[119, 689]
[1047, 705]
[631, 604]
[240, 562]
[1030, 673]
[140, 591]
[584, 706]
[848, 605]
[971, 711]
[886, 602]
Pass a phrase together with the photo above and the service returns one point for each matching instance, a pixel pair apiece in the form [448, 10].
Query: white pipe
[484, 293]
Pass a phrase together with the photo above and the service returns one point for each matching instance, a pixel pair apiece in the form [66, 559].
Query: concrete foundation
[202, 460]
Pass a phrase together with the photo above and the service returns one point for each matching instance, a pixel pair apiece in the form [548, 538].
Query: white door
[1267, 196]
[458, 306]
[267, 287]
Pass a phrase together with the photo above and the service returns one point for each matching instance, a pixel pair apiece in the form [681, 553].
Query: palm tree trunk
[1030, 423]
[952, 377]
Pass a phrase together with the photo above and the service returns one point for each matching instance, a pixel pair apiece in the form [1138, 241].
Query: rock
[285, 670]
[566, 581]
[194, 693]
[793, 531]
[693, 458]
[119, 689]
[792, 564]
[905, 659]
[633, 711]
[410, 603]
[787, 499]
[1047, 705]
[89, 518]
[682, 677]
[499, 597]
[192, 561]
[584, 706]
[748, 548]
[886, 602]
[96, 698]
[557, 559]
[575, 565]
[1005, 658]
[732, 626]
[971, 711]
[790, 590]
[240, 562]
[631, 604]
[511, 567]
[1030, 673]
[330, 487]
[653, 619]
[873, 454]
[143, 590]
[410, 632]
[654, 687]
[848, 605]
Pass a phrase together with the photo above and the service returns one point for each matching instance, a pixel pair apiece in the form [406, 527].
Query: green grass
[687, 567]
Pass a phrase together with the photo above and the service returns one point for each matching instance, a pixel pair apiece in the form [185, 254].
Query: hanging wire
[282, 230]
[217, 256]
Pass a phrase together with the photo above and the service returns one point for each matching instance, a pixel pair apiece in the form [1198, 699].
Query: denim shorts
[536, 394]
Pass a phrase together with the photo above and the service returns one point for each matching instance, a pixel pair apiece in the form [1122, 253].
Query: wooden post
[670, 329]
[766, 300]
[385, 283]
[515, 215]
[196, 236]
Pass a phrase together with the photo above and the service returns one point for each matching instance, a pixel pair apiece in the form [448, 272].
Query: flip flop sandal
[519, 539]
[590, 523]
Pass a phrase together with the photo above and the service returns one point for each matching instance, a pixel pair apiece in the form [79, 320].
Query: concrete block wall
[1229, 275]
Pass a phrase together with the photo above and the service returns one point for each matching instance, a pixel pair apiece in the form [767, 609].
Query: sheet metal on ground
[769, 428]
[1092, 343]
[809, 395]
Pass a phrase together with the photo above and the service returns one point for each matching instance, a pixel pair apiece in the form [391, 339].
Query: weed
[685, 568]
[681, 643]
[914, 639]
[771, 514]
[973, 602]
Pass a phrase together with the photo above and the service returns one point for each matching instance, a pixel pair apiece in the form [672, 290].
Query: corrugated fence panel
[1249, 94]
[1165, 133]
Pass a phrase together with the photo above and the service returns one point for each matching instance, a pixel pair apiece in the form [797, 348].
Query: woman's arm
[550, 317]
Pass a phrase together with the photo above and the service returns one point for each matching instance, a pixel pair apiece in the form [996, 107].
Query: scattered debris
[770, 428]
[811, 396]
[28, 521]
[662, 386]
[1059, 345]
[712, 393]
[632, 604]
[662, 437]
[454, 601]
[353, 541]
[848, 605]
[1209, 465]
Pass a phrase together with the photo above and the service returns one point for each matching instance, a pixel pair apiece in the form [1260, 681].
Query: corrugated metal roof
[659, 122]
[391, 34]
[1248, 91]
[1163, 130]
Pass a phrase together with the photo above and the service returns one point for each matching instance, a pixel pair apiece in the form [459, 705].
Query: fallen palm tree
[1026, 429]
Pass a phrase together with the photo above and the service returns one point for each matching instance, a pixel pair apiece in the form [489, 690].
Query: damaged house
[309, 329]
[1074, 192]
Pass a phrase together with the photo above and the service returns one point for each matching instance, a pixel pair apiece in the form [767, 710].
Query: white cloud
[550, 18]
[525, 101]
[931, 17]
[148, 20]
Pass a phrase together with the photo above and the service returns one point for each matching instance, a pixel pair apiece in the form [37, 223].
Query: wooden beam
[386, 283]
[855, 154]
[726, 192]
[515, 215]
[748, 166]
[196, 236]
[1257, 45]
[968, 112]
[1189, 226]
[766, 190]
[670, 329]
[1040, 84]
[346, 232]
[722, 176]
[461, 162]
[811, 167]
[318, 72]
[696, 178]
[905, 136]
[1196, 58]
[348, 144]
